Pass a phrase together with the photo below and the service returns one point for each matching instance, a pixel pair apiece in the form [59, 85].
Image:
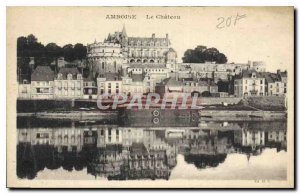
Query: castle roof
[42, 73]
[68, 70]
[110, 76]
[248, 74]
[137, 77]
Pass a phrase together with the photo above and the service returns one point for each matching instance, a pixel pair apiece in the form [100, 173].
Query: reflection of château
[139, 152]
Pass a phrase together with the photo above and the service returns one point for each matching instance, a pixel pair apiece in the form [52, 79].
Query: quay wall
[32, 106]
[241, 115]
[214, 101]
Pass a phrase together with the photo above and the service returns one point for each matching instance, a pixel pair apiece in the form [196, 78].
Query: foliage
[202, 54]
[44, 55]
[29, 49]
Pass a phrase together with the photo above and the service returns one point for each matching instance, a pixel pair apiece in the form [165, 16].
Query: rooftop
[42, 73]
[248, 74]
[137, 77]
[110, 76]
[68, 70]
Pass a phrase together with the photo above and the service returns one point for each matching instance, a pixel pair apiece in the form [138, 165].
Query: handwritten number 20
[222, 22]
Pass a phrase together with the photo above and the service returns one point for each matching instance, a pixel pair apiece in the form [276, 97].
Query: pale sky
[265, 34]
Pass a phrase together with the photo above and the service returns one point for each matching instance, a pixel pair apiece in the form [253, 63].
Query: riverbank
[73, 115]
[242, 115]
[205, 115]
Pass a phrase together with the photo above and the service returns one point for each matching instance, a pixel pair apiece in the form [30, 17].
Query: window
[69, 76]
[24, 90]
[261, 81]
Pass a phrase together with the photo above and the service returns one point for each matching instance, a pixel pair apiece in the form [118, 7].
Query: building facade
[138, 84]
[104, 57]
[42, 83]
[68, 84]
[110, 84]
[276, 83]
[249, 83]
[119, 51]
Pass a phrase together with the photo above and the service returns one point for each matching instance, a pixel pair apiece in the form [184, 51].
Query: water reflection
[128, 152]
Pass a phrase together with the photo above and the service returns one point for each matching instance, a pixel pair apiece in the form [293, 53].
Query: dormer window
[253, 75]
[79, 76]
[59, 76]
[69, 76]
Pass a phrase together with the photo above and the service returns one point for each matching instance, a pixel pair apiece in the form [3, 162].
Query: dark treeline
[202, 54]
[29, 46]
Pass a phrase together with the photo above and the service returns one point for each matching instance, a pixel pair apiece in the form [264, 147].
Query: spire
[124, 31]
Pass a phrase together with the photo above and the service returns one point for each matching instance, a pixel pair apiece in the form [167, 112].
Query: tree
[68, 52]
[52, 52]
[29, 47]
[201, 54]
[79, 51]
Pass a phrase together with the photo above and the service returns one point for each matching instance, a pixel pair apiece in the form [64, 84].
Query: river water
[88, 150]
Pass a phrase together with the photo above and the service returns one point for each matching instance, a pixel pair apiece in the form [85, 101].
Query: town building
[156, 71]
[109, 135]
[211, 70]
[69, 139]
[276, 83]
[35, 136]
[138, 84]
[68, 84]
[109, 83]
[118, 51]
[176, 87]
[249, 138]
[42, 83]
[24, 90]
[90, 90]
[249, 83]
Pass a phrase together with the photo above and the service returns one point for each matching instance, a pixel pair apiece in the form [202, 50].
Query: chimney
[167, 36]
[278, 71]
[153, 35]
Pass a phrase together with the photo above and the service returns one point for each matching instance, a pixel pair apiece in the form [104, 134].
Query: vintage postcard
[150, 97]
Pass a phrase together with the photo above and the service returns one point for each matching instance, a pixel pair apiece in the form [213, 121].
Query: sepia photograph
[150, 97]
